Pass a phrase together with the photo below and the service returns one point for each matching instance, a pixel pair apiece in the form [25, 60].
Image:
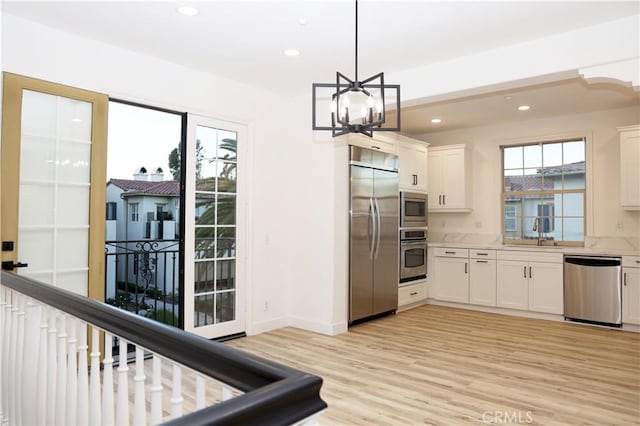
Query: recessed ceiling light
[291, 52]
[187, 11]
[302, 21]
[436, 120]
[524, 107]
[507, 98]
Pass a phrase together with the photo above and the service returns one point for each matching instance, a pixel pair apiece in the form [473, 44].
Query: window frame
[135, 212]
[542, 193]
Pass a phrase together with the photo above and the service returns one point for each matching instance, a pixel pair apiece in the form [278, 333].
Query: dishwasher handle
[593, 261]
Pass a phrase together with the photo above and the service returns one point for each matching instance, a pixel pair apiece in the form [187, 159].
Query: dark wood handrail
[274, 393]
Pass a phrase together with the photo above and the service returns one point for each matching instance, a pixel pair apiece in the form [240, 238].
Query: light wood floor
[445, 366]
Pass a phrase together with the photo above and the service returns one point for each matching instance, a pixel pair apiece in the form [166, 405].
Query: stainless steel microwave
[413, 209]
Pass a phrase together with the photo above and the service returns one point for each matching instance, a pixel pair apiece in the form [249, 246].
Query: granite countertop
[593, 246]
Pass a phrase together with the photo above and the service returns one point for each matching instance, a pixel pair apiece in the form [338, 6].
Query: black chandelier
[356, 106]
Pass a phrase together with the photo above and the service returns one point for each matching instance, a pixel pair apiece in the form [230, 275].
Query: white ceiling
[244, 40]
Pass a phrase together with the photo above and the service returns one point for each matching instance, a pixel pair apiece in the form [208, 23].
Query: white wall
[603, 179]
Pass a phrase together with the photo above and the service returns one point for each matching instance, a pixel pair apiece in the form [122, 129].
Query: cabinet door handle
[482, 254]
[444, 199]
[439, 200]
[625, 278]
[530, 272]
[637, 261]
[482, 261]
[375, 147]
[414, 293]
[525, 272]
[449, 252]
[415, 179]
[465, 267]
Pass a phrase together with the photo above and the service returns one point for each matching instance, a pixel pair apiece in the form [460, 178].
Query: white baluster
[139, 407]
[43, 355]
[13, 347]
[72, 372]
[19, 365]
[176, 396]
[122, 407]
[4, 344]
[61, 385]
[156, 391]
[52, 368]
[227, 393]
[83, 376]
[200, 392]
[94, 384]
[107, 382]
[29, 362]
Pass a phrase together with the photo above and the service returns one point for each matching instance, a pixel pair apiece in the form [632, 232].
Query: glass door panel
[214, 307]
[53, 183]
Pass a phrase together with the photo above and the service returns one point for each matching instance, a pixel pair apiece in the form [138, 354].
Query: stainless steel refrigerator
[373, 244]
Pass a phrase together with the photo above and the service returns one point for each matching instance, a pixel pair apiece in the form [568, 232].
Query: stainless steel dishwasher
[592, 289]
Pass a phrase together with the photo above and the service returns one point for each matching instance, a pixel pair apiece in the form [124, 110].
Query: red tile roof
[167, 188]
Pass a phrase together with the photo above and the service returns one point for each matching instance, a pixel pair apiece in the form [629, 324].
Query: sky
[139, 137]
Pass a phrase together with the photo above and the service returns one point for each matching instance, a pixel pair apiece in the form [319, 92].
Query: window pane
[513, 209]
[574, 176]
[574, 229]
[225, 306]
[226, 275]
[205, 209]
[513, 180]
[573, 205]
[513, 158]
[226, 209]
[227, 178]
[203, 310]
[227, 145]
[226, 242]
[552, 155]
[205, 243]
[203, 277]
[533, 156]
[533, 180]
[573, 152]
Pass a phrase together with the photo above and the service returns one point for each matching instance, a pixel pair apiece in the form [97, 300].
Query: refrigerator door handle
[372, 216]
[377, 215]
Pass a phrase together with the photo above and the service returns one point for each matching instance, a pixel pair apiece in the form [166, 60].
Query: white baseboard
[318, 327]
[268, 325]
[502, 311]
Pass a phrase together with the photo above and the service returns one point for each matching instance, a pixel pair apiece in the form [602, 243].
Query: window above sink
[543, 196]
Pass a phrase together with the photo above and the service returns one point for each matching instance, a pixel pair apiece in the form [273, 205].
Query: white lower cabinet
[530, 281]
[412, 293]
[482, 282]
[631, 290]
[452, 272]
[546, 288]
[512, 290]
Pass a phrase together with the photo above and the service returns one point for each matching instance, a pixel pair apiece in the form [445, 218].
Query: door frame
[13, 86]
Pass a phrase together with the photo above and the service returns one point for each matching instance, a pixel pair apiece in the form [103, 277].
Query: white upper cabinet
[413, 166]
[449, 179]
[377, 143]
[630, 167]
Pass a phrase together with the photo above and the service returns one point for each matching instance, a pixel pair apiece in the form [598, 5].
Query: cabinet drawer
[631, 261]
[530, 256]
[482, 254]
[377, 143]
[451, 252]
[412, 293]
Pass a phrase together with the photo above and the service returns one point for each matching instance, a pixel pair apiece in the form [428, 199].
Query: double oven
[413, 237]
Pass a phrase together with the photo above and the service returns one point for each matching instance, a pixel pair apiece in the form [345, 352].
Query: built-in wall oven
[413, 254]
[413, 210]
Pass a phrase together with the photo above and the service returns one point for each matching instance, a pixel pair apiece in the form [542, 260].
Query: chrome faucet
[537, 227]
